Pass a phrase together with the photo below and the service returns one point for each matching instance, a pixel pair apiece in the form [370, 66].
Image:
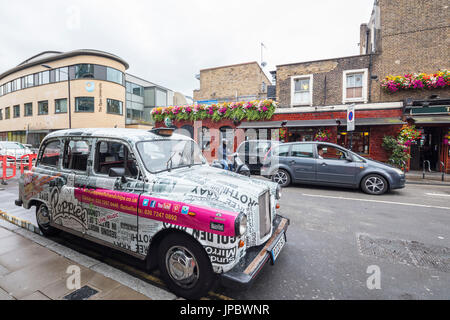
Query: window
[111, 154]
[61, 105]
[50, 155]
[44, 77]
[355, 85]
[360, 139]
[84, 104]
[42, 107]
[1, 114]
[281, 151]
[302, 150]
[16, 85]
[76, 153]
[28, 109]
[16, 111]
[301, 90]
[7, 112]
[114, 75]
[28, 81]
[114, 106]
[329, 152]
[62, 74]
[84, 71]
[204, 138]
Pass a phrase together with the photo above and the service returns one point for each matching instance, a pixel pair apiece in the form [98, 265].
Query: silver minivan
[325, 163]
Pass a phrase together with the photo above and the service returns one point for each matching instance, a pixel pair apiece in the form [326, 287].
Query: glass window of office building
[16, 111]
[84, 71]
[43, 107]
[61, 105]
[84, 104]
[28, 109]
[114, 106]
[114, 75]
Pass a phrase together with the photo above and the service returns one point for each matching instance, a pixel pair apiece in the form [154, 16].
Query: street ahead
[335, 237]
[336, 234]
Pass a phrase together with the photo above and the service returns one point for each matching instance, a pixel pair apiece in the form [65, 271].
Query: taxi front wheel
[43, 220]
[185, 266]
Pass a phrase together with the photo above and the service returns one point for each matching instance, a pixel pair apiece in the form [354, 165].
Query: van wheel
[43, 221]
[185, 267]
[282, 177]
[374, 184]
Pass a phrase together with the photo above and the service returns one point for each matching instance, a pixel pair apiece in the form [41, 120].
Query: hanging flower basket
[250, 110]
[323, 135]
[440, 79]
[447, 138]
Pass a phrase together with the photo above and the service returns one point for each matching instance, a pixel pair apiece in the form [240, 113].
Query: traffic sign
[351, 117]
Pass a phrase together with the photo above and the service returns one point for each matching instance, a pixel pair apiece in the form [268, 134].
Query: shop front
[431, 117]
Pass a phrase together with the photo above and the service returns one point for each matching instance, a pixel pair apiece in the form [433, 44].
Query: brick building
[244, 81]
[401, 37]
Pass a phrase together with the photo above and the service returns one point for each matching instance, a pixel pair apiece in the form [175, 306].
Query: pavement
[36, 268]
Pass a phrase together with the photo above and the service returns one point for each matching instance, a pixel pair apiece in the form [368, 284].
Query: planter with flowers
[440, 79]
[250, 110]
[399, 147]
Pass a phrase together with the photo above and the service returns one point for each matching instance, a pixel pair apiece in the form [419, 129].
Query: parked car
[252, 153]
[329, 164]
[152, 194]
[13, 149]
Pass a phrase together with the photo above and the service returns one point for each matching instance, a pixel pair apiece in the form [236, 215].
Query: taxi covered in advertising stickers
[151, 194]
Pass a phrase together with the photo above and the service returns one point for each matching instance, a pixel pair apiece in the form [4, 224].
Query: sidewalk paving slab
[35, 268]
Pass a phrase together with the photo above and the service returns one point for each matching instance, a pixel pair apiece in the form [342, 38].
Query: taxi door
[112, 195]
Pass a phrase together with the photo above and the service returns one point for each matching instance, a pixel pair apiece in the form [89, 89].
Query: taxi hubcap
[182, 266]
[42, 217]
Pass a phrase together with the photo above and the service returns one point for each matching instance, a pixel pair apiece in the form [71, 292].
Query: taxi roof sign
[166, 132]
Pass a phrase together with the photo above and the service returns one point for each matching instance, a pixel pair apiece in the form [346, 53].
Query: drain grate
[406, 252]
[83, 293]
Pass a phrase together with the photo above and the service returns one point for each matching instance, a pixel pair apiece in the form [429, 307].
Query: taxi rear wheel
[185, 266]
[43, 220]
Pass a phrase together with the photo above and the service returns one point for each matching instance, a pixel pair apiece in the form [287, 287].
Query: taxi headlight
[241, 224]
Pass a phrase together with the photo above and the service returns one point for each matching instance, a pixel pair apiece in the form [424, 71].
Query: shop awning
[374, 121]
[260, 125]
[313, 123]
[432, 120]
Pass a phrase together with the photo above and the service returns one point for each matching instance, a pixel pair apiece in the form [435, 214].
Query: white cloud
[168, 42]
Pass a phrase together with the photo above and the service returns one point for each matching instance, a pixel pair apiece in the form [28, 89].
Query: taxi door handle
[323, 164]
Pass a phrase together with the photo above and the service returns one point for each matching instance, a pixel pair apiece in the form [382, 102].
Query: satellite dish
[197, 76]
[263, 64]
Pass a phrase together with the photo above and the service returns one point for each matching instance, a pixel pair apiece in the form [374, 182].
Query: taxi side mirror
[118, 172]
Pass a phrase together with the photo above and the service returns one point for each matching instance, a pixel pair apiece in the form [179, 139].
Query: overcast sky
[168, 42]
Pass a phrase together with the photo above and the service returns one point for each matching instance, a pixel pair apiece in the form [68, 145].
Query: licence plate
[277, 247]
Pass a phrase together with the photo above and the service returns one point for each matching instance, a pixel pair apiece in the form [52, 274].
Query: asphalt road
[335, 235]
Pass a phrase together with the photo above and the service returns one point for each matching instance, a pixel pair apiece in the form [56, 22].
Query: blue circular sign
[350, 116]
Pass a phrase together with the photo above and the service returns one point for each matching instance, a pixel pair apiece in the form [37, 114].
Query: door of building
[427, 149]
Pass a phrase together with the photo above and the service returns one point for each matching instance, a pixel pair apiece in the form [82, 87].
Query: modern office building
[141, 97]
[76, 89]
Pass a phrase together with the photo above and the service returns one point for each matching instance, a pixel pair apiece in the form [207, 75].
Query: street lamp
[68, 85]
